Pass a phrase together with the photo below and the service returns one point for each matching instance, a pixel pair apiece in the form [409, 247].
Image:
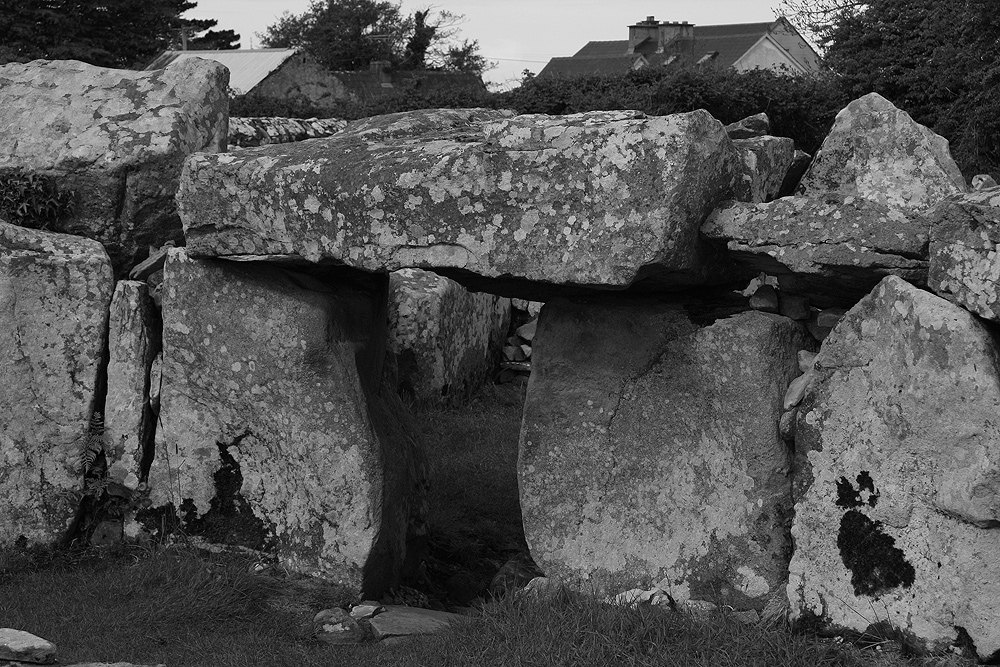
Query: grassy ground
[188, 608]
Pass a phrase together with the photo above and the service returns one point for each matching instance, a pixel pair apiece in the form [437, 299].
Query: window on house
[708, 57]
[670, 61]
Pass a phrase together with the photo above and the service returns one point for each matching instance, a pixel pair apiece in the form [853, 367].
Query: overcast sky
[516, 34]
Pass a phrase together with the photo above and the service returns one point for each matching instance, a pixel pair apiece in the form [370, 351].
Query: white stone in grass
[23, 646]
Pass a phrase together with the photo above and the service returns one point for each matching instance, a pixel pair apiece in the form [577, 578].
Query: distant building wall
[301, 76]
[765, 54]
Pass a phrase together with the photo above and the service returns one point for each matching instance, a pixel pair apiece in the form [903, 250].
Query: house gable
[767, 53]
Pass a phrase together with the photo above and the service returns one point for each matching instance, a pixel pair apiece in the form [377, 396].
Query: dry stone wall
[680, 442]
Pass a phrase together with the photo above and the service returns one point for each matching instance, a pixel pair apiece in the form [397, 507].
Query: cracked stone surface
[54, 296]
[897, 492]
[117, 138]
[521, 206]
[650, 452]
[271, 378]
[445, 338]
[875, 151]
[133, 342]
[834, 248]
[965, 252]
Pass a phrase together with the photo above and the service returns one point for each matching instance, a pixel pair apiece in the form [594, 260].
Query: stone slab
[276, 431]
[515, 206]
[650, 452]
[897, 498]
[54, 296]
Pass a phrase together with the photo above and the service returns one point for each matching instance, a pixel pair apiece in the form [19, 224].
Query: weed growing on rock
[33, 200]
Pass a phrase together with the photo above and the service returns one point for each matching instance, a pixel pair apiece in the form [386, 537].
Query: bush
[33, 200]
[800, 107]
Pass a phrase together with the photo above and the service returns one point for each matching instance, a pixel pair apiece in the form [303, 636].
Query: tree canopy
[109, 33]
[350, 34]
[939, 61]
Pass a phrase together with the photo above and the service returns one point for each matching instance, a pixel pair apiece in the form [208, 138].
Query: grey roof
[247, 67]
[729, 41]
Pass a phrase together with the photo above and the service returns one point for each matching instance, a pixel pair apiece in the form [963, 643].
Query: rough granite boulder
[117, 138]
[767, 161]
[445, 339]
[133, 342]
[857, 214]
[517, 206]
[875, 151]
[835, 248]
[276, 431]
[897, 491]
[650, 452]
[757, 125]
[54, 296]
[965, 252]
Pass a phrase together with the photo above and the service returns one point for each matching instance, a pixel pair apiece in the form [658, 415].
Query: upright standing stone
[276, 432]
[117, 138]
[133, 342]
[897, 497]
[54, 295]
[877, 152]
[444, 337]
[650, 451]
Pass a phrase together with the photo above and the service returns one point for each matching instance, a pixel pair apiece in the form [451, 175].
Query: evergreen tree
[109, 33]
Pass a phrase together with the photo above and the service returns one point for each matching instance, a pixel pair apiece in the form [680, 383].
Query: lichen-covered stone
[897, 489]
[133, 342]
[836, 248]
[877, 152]
[117, 138]
[18, 646]
[965, 252]
[650, 451]
[276, 432]
[598, 199]
[54, 296]
[445, 338]
[767, 160]
[246, 132]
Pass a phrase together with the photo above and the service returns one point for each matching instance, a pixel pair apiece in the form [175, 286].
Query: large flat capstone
[897, 497]
[525, 204]
[54, 296]
[650, 452]
[116, 138]
[277, 433]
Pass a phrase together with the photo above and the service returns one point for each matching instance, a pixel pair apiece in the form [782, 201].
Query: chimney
[670, 31]
[641, 31]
